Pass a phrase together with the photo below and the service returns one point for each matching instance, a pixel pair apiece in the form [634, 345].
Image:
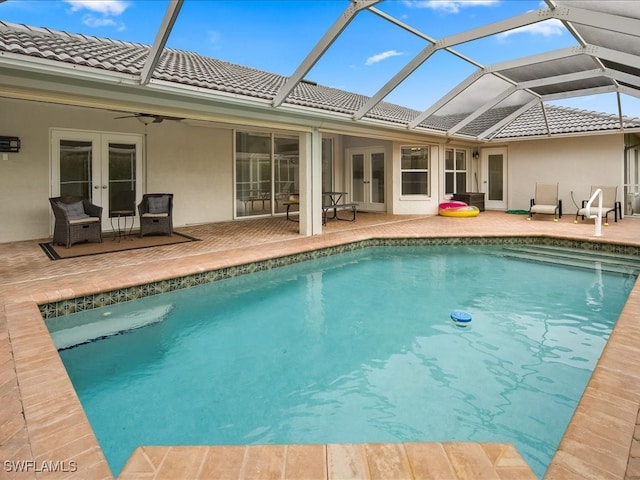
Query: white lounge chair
[609, 203]
[546, 201]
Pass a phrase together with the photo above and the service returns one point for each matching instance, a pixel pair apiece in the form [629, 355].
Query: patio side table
[120, 229]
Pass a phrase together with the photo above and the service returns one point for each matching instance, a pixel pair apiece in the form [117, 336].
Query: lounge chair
[609, 203]
[156, 214]
[76, 220]
[546, 201]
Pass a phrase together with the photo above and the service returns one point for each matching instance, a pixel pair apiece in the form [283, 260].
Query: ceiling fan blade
[150, 118]
[167, 117]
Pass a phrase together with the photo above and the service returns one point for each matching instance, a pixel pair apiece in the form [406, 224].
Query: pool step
[610, 262]
[75, 335]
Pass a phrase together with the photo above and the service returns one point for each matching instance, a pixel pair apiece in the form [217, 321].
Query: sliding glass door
[266, 172]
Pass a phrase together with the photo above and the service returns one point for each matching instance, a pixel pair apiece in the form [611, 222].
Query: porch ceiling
[604, 59]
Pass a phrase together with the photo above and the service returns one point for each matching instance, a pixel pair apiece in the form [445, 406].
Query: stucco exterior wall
[196, 165]
[575, 163]
[416, 204]
[24, 176]
[193, 163]
[396, 203]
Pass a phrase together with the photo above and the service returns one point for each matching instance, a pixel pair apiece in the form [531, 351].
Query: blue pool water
[357, 347]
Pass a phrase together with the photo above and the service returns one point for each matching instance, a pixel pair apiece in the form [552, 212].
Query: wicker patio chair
[156, 214]
[76, 220]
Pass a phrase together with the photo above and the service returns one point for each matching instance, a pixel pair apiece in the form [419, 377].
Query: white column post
[311, 183]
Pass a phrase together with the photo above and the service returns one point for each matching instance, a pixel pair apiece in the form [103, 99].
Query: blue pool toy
[461, 318]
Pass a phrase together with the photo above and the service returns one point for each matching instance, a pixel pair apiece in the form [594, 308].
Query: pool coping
[134, 292]
[610, 403]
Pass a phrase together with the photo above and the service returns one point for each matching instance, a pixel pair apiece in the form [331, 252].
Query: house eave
[64, 70]
[39, 79]
[589, 133]
[195, 103]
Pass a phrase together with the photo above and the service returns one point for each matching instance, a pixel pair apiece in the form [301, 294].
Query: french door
[368, 179]
[104, 168]
[632, 180]
[494, 173]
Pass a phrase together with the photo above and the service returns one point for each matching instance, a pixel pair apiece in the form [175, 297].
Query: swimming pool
[310, 346]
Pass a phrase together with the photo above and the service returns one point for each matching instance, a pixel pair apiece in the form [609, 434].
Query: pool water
[357, 347]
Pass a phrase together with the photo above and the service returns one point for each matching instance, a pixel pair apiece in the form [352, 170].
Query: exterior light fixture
[9, 144]
[145, 119]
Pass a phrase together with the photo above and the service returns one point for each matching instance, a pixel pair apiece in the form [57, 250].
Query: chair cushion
[594, 211]
[74, 210]
[158, 204]
[155, 215]
[548, 209]
[85, 219]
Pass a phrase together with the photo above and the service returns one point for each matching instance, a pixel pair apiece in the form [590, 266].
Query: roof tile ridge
[70, 35]
[95, 38]
[583, 111]
[21, 26]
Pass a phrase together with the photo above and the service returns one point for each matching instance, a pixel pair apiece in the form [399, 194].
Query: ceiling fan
[148, 118]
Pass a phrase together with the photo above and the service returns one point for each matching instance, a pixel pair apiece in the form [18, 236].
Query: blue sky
[276, 35]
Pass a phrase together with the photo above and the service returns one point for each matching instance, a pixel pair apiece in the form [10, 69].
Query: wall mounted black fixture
[9, 144]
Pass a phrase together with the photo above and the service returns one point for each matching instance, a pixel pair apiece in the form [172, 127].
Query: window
[75, 168]
[455, 171]
[122, 177]
[414, 170]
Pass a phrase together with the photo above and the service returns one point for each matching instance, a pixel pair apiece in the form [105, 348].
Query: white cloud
[450, 6]
[548, 28]
[104, 7]
[214, 37]
[96, 22]
[101, 12]
[382, 56]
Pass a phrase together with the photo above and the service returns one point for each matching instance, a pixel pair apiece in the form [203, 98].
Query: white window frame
[455, 171]
[427, 171]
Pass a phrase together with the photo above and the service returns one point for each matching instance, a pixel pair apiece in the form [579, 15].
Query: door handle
[104, 187]
[96, 187]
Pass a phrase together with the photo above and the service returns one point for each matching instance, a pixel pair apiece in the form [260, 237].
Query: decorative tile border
[103, 299]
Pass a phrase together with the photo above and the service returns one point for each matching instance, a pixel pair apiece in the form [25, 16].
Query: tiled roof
[562, 120]
[473, 128]
[188, 68]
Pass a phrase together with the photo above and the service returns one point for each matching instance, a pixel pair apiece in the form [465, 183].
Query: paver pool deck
[42, 422]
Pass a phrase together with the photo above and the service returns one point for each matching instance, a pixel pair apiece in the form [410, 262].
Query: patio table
[336, 202]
